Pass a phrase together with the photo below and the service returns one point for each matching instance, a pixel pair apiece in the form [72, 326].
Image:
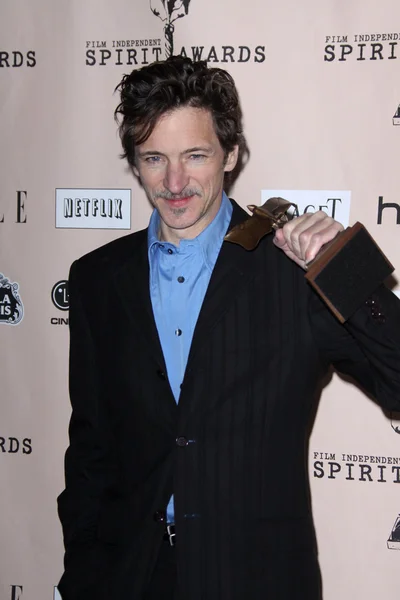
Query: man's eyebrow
[150, 153]
[206, 149]
[198, 149]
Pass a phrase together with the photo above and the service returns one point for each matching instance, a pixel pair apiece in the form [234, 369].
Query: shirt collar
[209, 241]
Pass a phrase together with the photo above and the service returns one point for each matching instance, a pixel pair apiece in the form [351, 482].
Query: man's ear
[135, 171]
[231, 159]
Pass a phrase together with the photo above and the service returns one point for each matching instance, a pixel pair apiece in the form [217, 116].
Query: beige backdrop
[319, 84]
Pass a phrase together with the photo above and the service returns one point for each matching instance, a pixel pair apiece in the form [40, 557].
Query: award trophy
[345, 271]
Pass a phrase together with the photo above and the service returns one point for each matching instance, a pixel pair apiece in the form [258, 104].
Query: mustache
[167, 195]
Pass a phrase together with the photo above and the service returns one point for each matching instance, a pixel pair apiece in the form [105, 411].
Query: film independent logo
[169, 11]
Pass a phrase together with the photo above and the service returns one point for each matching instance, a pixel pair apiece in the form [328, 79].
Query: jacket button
[159, 516]
[161, 374]
[181, 441]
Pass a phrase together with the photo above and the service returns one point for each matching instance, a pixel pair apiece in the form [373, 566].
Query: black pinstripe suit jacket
[262, 345]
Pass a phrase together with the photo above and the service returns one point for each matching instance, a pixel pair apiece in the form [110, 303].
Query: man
[186, 474]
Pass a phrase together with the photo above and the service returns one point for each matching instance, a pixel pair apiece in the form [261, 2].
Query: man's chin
[180, 225]
[184, 227]
[178, 217]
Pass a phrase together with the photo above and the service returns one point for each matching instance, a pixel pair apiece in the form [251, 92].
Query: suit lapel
[133, 287]
[132, 283]
[235, 266]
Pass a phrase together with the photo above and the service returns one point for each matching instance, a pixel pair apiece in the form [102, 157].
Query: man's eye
[153, 159]
[197, 156]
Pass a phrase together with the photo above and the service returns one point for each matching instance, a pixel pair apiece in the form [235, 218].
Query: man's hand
[302, 238]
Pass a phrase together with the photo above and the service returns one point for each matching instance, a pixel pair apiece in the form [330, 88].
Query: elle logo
[20, 212]
[16, 592]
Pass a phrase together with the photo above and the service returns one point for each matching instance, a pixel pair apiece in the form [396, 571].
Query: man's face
[181, 167]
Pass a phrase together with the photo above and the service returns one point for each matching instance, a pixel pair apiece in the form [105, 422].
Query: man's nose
[176, 178]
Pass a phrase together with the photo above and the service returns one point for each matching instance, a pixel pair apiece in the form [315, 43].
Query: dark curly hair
[160, 87]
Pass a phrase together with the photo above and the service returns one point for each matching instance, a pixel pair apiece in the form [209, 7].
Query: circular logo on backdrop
[60, 296]
[11, 307]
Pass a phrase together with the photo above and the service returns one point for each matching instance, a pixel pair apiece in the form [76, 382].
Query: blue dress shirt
[179, 277]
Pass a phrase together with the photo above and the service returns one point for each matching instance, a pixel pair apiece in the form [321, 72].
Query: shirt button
[170, 251]
[178, 332]
[181, 279]
[181, 441]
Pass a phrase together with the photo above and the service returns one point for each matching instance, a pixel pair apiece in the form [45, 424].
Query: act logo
[335, 203]
[396, 116]
[11, 307]
[169, 11]
[393, 542]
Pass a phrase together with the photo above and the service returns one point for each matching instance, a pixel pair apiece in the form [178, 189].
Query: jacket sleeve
[89, 460]
[367, 346]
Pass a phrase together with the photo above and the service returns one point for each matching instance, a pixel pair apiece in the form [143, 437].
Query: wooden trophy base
[348, 270]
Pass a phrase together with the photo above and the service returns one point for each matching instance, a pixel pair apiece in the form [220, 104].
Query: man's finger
[279, 238]
[319, 240]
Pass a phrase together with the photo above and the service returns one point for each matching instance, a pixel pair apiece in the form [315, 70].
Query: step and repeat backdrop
[319, 82]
